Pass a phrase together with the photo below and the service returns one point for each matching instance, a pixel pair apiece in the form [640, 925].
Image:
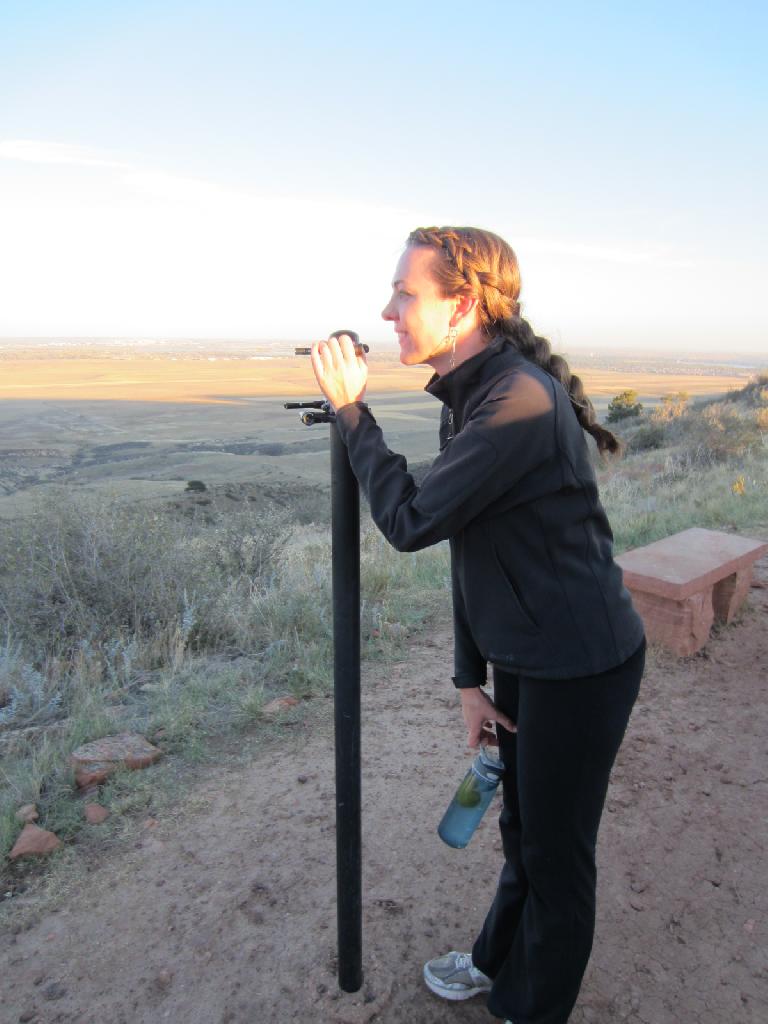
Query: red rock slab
[682, 583]
[729, 594]
[34, 841]
[93, 762]
[95, 814]
[92, 775]
[688, 562]
[680, 626]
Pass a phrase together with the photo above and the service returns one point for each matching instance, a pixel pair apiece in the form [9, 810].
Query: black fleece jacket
[535, 587]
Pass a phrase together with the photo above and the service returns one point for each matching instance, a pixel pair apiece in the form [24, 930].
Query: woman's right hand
[341, 373]
[480, 713]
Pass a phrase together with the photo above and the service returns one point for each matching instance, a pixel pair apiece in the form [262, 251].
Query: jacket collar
[453, 386]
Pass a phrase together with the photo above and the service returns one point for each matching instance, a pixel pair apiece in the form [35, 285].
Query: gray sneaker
[454, 976]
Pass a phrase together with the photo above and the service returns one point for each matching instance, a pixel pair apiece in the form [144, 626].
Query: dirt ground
[226, 914]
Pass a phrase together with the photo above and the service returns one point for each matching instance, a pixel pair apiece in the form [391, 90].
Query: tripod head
[360, 348]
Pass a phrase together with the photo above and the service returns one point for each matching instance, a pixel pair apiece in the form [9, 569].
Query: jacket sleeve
[509, 434]
[469, 665]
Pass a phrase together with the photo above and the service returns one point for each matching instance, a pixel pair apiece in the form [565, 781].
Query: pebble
[54, 991]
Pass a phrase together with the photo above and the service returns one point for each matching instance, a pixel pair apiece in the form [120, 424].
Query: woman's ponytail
[519, 333]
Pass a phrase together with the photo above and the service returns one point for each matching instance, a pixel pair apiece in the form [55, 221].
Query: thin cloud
[606, 254]
[36, 152]
[161, 185]
[173, 187]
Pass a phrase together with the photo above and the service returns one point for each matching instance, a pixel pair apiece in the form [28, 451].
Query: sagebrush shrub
[25, 693]
[671, 407]
[101, 574]
[649, 436]
[718, 433]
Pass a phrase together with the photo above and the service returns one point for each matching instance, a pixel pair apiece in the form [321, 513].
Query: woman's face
[420, 315]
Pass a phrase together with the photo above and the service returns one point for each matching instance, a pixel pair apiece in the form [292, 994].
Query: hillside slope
[225, 914]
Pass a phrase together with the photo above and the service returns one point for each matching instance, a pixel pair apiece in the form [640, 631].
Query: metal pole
[345, 511]
[345, 554]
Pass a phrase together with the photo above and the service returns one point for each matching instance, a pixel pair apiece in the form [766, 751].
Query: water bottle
[471, 800]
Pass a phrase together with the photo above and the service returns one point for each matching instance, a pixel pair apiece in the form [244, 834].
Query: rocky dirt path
[226, 915]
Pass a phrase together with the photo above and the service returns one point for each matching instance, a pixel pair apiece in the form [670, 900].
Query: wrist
[472, 693]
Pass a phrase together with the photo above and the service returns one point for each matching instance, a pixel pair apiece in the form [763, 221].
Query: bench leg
[680, 626]
[729, 594]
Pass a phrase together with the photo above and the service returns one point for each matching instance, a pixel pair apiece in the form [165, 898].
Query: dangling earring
[452, 333]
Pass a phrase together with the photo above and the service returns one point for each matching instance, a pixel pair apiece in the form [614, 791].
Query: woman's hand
[480, 713]
[340, 372]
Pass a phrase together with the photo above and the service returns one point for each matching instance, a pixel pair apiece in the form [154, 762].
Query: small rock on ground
[34, 841]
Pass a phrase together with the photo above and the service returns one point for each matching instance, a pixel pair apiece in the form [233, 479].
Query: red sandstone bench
[682, 583]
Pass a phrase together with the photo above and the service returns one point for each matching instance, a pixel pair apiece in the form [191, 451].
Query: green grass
[702, 465]
[646, 502]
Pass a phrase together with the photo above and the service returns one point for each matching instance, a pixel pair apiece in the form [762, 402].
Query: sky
[251, 170]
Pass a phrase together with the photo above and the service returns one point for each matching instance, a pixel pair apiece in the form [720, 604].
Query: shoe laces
[464, 961]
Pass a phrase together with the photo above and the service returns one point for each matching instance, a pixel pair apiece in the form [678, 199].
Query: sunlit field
[91, 375]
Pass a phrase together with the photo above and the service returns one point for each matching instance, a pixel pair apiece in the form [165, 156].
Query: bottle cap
[488, 766]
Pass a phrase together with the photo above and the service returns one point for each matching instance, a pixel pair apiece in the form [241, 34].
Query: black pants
[537, 937]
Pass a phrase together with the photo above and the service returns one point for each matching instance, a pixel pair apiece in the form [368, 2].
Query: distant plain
[142, 422]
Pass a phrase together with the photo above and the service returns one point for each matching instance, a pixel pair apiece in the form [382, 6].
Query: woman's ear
[466, 306]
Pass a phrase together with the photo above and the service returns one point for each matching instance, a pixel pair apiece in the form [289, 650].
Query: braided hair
[477, 262]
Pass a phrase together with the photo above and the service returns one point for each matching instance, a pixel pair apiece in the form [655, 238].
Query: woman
[536, 595]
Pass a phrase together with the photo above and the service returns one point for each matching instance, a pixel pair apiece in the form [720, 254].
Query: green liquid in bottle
[467, 794]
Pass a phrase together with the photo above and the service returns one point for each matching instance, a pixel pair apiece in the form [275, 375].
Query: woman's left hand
[480, 714]
[340, 372]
